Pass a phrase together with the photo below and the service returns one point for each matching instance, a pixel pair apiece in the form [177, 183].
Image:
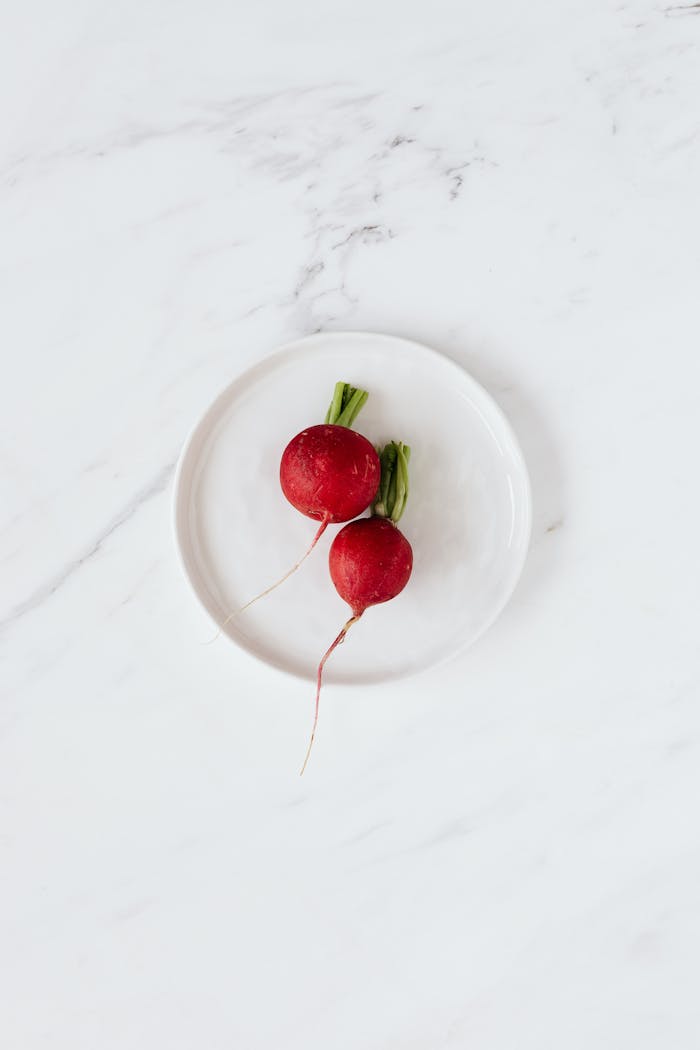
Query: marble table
[503, 852]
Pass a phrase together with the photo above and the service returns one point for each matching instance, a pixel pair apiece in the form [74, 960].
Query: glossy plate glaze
[468, 514]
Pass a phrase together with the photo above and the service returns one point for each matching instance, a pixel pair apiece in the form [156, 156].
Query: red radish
[370, 560]
[329, 472]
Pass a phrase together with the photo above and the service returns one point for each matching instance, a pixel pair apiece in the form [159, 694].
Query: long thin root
[269, 590]
[338, 641]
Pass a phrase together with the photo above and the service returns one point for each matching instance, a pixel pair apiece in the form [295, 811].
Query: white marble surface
[504, 852]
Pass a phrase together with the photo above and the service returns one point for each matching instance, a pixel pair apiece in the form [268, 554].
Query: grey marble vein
[37, 598]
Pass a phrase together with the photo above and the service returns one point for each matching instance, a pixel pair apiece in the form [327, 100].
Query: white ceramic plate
[467, 518]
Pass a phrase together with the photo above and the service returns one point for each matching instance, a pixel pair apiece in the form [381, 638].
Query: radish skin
[328, 472]
[370, 560]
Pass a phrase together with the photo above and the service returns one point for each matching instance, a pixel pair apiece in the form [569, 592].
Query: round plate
[467, 518]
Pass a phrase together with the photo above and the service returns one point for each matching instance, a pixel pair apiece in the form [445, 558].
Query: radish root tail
[334, 645]
[272, 587]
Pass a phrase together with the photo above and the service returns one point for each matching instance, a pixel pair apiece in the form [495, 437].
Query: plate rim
[286, 350]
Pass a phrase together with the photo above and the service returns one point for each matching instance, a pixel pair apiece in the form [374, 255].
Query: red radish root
[370, 560]
[334, 645]
[328, 472]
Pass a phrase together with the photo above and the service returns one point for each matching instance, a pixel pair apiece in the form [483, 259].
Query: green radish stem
[393, 487]
[347, 402]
